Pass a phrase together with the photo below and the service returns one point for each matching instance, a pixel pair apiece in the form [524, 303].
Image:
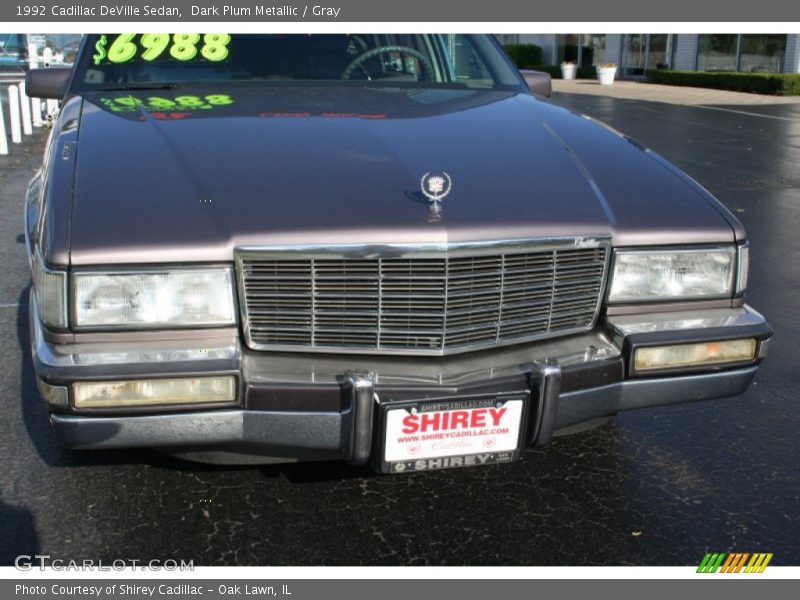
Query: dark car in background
[13, 52]
[380, 249]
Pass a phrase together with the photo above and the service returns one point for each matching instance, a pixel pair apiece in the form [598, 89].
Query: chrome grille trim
[419, 299]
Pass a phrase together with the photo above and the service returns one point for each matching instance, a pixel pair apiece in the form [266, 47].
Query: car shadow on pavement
[19, 534]
[313, 472]
[296, 472]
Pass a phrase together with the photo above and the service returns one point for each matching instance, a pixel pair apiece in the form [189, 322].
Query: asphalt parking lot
[656, 487]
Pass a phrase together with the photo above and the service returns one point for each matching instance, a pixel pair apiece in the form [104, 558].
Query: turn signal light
[695, 355]
[149, 392]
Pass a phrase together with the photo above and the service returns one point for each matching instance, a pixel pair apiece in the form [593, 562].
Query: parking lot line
[745, 112]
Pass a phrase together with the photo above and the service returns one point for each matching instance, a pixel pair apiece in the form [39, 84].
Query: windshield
[152, 60]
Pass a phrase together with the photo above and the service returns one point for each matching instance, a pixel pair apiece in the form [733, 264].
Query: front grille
[425, 302]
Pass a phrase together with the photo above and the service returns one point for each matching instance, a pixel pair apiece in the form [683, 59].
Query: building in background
[634, 53]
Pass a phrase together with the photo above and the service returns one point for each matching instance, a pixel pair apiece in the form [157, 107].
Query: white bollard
[33, 58]
[13, 109]
[47, 56]
[52, 109]
[27, 126]
[3, 138]
[36, 110]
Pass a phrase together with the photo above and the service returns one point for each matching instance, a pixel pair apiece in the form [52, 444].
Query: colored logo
[734, 562]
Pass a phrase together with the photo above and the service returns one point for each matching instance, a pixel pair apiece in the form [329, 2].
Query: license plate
[440, 434]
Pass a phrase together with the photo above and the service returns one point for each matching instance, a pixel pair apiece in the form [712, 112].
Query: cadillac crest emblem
[436, 187]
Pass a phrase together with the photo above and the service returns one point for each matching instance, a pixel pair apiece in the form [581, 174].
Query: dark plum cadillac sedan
[382, 249]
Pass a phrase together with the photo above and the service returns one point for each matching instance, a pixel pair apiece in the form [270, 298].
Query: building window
[583, 49]
[717, 52]
[658, 51]
[507, 38]
[746, 53]
[593, 49]
[762, 53]
[567, 47]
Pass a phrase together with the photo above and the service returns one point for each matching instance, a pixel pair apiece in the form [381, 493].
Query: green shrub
[780, 84]
[555, 71]
[524, 55]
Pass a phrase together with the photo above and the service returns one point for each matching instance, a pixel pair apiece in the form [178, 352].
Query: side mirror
[47, 83]
[538, 82]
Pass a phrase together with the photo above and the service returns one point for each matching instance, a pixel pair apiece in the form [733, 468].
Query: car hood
[189, 175]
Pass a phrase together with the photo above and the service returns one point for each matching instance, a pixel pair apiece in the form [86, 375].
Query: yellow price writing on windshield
[182, 47]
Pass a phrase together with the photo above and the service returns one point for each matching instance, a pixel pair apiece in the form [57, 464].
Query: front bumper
[301, 407]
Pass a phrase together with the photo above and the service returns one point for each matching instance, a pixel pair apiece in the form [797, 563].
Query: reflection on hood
[292, 101]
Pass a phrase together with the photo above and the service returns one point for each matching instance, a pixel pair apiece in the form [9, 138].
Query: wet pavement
[657, 487]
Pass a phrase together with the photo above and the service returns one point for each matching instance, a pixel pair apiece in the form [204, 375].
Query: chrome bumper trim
[582, 405]
[313, 431]
[711, 318]
[328, 431]
[545, 389]
[99, 359]
[65, 361]
[361, 386]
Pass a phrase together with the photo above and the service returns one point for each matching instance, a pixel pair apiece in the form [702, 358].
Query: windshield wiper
[139, 86]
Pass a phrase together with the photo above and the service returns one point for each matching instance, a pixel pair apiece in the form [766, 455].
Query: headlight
[653, 275]
[50, 289]
[181, 298]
